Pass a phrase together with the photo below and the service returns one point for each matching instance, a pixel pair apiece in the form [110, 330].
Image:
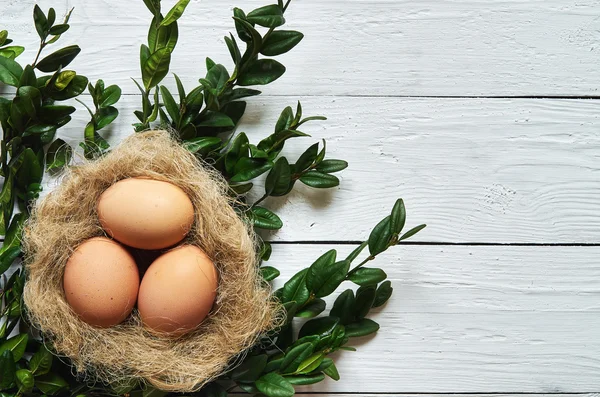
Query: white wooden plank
[474, 319]
[359, 47]
[502, 170]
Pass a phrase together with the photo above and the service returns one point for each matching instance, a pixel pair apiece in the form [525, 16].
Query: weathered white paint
[474, 319]
[475, 170]
[359, 47]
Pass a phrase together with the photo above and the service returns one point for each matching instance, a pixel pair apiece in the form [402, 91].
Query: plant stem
[259, 200]
[37, 56]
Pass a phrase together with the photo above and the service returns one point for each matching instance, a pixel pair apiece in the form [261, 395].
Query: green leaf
[239, 93]
[324, 276]
[10, 72]
[16, 345]
[305, 379]
[280, 42]
[307, 158]
[343, 307]
[12, 51]
[59, 29]
[367, 276]
[59, 155]
[279, 179]
[156, 67]
[41, 23]
[203, 144]
[51, 384]
[332, 372]
[41, 361]
[233, 48]
[7, 369]
[265, 219]
[274, 385]
[8, 256]
[31, 170]
[250, 369]
[24, 379]
[27, 77]
[310, 364]
[269, 273]
[313, 309]
[384, 291]
[175, 13]
[31, 100]
[285, 119]
[215, 119]
[261, 72]
[63, 79]
[356, 252]
[75, 88]
[217, 76]
[361, 328]
[270, 16]
[170, 104]
[398, 217]
[249, 168]
[153, 6]
[180, 89]
[321, 326]
[105, 116]
[110, 96]
[295, 289]
[3, 37]
[380, 237]
[163, 37]
[58, 59]
[365, 296]
[329, 166]
[294, 356]
[239, 16]
[319, 180]
[51, 16]
[274, 142]
[412, 232]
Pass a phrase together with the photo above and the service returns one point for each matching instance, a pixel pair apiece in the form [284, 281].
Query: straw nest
[243, 311]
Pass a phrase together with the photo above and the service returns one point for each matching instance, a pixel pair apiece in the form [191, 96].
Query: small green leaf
[59, 155]
[10, 71]
[16, 345]
[7, 369]
[319, 180]
[63, 79]
[321, 326]
[28, 77]
[270, 16]
[324, 276]
[12, 51]
[249, 168]
[356, 252]
[412, 232]
[40, 21]
[279, 179]
[153, 6]
[203, 144]
[313, 309]
[215, 119]
[273, 364]
[233, 48]
[41, 362]
[367, 276]
[59, 29]
[250, 369]
[365, 296]
[50, 384]
[294, 356]
[156, 67]
[295, 289]
[170, 104]
[8, 256]
[24, 379]
[3, 37]
[239, 16]
[332, 372]
[285, 119]
[58, 59]
[175, 13]
[361, 328]
[384, 291]
[110, 96]
[51, 16]
[380, 237]
[265, 219]
[31, 170]
[305, 379]
[269, 273]
[261, 72]
[329, 166]
[310, 364]
[307, 158]
[75, 87]
[280, 42]
[274, 385]
[343, 307]
[239, 93]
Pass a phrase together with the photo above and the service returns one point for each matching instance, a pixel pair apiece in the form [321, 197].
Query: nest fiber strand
[66, 217]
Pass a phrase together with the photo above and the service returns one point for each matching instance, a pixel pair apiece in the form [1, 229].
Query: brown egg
[178, 291]
[144, 213]
[101, 282]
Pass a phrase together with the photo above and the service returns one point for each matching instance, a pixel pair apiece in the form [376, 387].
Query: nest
[243, 312]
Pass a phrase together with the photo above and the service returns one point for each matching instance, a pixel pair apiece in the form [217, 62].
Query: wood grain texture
[474, 319]
[475, 170]
[359, 47]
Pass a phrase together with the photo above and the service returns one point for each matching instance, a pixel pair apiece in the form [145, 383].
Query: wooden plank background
[482, 114]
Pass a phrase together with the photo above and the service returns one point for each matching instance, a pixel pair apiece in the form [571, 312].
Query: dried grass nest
[243, 311]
